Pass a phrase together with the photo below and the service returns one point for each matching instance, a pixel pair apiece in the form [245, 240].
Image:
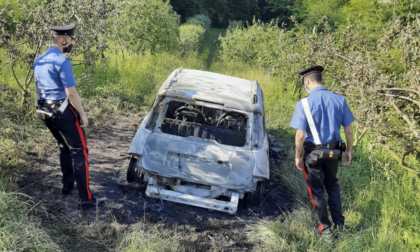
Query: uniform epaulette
[303, 98]
[338, 93]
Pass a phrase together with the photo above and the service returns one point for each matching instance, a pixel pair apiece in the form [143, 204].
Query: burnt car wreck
[204, 142]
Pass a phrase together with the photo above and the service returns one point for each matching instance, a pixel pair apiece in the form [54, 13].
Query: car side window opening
[154, 114]
[186, 119]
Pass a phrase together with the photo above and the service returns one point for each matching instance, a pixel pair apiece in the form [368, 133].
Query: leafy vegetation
[126, 50]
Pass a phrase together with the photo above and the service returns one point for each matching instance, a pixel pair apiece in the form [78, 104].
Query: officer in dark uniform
[329, 112]
[60, 108]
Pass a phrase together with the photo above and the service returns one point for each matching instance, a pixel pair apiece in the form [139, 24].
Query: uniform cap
[64, 30]
[311, 70]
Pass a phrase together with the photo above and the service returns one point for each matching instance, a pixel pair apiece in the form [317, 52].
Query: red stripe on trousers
[309, 188]
[82, 137]
[320, 228]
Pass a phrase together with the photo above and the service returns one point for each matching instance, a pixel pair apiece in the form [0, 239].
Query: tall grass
[380, 201]
[124, 83]
[19, 231]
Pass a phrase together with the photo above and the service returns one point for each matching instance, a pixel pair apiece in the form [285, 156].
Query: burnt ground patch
[127, 203]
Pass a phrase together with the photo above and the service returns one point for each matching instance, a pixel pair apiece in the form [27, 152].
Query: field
[380, 189]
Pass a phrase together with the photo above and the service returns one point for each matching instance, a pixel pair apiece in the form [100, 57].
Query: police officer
[60, 107]
[329, 112]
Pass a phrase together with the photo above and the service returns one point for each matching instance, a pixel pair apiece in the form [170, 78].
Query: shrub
[190, 37]
[236, 24]
[200, 19]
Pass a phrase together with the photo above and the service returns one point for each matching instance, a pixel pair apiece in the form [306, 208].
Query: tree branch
[402, 89]
[405, 154]
[400, 161]
[16, 78]
[404, 98]
[344, 58]
[406, 120]
[38, 48]
[360, 137]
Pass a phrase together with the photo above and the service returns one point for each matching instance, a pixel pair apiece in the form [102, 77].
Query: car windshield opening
[225, 127]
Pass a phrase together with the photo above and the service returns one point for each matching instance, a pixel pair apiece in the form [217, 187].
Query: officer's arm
[348, 131]
[299, 139]
[75, 100]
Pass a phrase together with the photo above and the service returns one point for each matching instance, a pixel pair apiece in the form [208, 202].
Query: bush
[236, 24]
[200, 19]
[146, 26]
[190, 37]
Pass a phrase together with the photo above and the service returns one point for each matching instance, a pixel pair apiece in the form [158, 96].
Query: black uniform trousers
[320, 173]
[71, 140]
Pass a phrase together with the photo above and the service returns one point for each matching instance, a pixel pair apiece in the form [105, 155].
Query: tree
[144, 26]
[26, 35]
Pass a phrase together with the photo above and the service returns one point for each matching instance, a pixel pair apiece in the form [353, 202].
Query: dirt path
[127, 204]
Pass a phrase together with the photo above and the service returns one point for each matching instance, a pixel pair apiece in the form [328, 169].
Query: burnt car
[204, 142]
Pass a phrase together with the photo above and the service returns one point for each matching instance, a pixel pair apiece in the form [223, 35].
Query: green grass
[125, 83]
[380, 200]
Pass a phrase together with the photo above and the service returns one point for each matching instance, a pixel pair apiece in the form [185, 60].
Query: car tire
[132, 171]
[256, 196]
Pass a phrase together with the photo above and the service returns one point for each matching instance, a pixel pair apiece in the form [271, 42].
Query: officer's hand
[84, 121]
[347, 158]
[299, 163]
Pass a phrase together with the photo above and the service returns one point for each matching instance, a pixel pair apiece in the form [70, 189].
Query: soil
[127, 203]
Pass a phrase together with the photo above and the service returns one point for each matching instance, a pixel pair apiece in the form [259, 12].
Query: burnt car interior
[185, 119]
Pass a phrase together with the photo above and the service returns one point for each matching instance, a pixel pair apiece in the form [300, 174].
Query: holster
[330, 154]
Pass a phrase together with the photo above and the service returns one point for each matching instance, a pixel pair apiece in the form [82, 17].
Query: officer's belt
[63, 103]
[312, 146]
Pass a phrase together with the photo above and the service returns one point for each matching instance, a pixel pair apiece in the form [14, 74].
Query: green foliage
[20, 137]
[18, 230]
[282, 10]
[219, 11]
[190, 37]
[236, 24]
[201, 19]
[259, 44]
[25, 36]
[145, 26]
[379, 199]
[329, 8]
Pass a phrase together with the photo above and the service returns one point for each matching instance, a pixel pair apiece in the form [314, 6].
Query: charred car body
[204, 142]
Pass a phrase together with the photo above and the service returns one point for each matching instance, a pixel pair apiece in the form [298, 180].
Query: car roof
[198, 85]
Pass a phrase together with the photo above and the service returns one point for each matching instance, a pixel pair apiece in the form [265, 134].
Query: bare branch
[401, 89]
[406, 153]
[406, 120]
[361, 135]
[16, 78]
[404, 98]
[344, 58]
[395, 156]
[26, 78]
[37, 50]
[13, 45]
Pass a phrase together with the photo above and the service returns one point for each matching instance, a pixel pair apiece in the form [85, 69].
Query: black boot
[90, 203]
[67, 189]
[338, 230]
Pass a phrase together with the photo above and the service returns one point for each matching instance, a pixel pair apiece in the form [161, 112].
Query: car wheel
[256, 196]
[132, 170]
